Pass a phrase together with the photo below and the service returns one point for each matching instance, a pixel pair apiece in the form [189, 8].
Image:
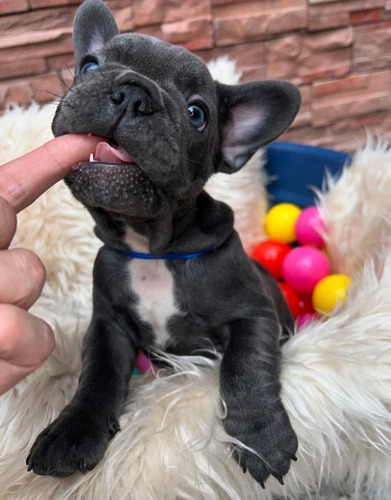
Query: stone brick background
[337, 51]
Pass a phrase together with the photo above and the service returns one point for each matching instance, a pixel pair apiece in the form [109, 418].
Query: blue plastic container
[294, 169]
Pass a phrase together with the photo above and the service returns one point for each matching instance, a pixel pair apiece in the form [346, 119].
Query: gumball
[271, 255]
[309, 227]
[291, 298]
[329, 292]
[304, 267]
[306, 319]
[280, 222]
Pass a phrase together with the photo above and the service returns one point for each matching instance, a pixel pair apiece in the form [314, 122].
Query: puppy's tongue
[106, 154]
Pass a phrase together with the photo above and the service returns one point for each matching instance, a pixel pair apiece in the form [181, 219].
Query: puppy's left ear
[252, 115]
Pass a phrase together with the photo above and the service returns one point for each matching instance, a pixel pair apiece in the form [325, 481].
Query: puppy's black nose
[136, 99]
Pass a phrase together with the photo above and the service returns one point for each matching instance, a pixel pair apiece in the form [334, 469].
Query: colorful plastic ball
[291, 298]
[306, 319]
[309, 227]
[330, 292]
[304, 267]
[280, 222]
[143, 363]
[271, 254]
[305, 303]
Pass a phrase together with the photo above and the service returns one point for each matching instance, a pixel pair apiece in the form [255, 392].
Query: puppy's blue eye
[88, 66]
[197, 117]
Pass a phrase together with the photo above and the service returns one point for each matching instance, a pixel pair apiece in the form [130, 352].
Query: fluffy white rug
[336, 375]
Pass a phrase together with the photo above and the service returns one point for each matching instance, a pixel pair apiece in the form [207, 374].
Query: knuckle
[10, 187]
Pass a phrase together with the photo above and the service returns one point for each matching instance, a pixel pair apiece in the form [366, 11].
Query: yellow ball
[330, 292]
[280, 222]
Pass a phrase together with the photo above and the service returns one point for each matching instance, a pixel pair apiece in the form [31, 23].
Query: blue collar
[167, 256]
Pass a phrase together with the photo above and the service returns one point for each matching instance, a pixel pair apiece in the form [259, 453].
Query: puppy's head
[167, 126]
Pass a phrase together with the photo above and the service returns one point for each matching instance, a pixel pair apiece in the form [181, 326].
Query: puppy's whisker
[71, 71]
[50, 93]
[62, 80]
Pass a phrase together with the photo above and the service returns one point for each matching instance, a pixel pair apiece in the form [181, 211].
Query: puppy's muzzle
[139, 94]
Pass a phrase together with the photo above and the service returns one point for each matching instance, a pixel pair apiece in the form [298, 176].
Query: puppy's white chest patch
[152, 282]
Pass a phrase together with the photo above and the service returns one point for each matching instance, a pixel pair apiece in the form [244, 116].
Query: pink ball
[143, 363]
[309, 226]
[305, 319]
[304, 267]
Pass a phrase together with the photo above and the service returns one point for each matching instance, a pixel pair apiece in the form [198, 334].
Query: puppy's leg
[249, 385]
[77, 439]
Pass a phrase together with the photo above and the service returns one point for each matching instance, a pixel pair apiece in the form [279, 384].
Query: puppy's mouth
[108, 154]
[112, 180]
[111, 155]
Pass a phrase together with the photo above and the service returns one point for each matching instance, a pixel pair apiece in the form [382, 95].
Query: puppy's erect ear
[252, 115]
[94, 25]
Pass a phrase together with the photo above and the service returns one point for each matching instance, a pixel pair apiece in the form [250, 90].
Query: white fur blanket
[336, 375]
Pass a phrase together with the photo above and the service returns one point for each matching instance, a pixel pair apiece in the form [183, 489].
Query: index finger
[23, 180]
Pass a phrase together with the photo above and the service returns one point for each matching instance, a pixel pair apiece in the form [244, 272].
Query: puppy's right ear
[94, 25]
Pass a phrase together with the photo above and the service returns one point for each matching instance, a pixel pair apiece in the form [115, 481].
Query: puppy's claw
[240, 460]
[279, 479]
[114, 428]
[30, 466]
[293, 457]
[83, 465]
[262, 485]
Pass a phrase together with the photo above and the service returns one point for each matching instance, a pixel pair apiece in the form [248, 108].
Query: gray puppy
[172, 272]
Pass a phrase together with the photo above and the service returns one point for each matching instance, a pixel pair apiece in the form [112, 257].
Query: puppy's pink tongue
[106, 154]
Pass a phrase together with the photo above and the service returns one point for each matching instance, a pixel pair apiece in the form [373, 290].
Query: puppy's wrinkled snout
[136, 99]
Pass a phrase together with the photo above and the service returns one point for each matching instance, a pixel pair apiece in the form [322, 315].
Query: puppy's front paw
[270, 443]
[75, 441]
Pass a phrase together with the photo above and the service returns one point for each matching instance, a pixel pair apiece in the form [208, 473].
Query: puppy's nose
[139, 92]
[136, 99]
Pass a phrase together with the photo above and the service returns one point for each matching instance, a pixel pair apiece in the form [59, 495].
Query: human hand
[25, 340]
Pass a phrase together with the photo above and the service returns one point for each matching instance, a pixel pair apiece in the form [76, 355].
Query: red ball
[291, 298]
[305, 303]
[271, 254]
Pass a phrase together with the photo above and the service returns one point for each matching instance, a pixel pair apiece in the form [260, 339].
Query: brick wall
[337, 51]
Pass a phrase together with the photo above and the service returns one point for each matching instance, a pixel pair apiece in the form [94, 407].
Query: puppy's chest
[153, 284]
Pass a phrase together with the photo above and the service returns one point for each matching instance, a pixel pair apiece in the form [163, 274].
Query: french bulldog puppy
[172, 273]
